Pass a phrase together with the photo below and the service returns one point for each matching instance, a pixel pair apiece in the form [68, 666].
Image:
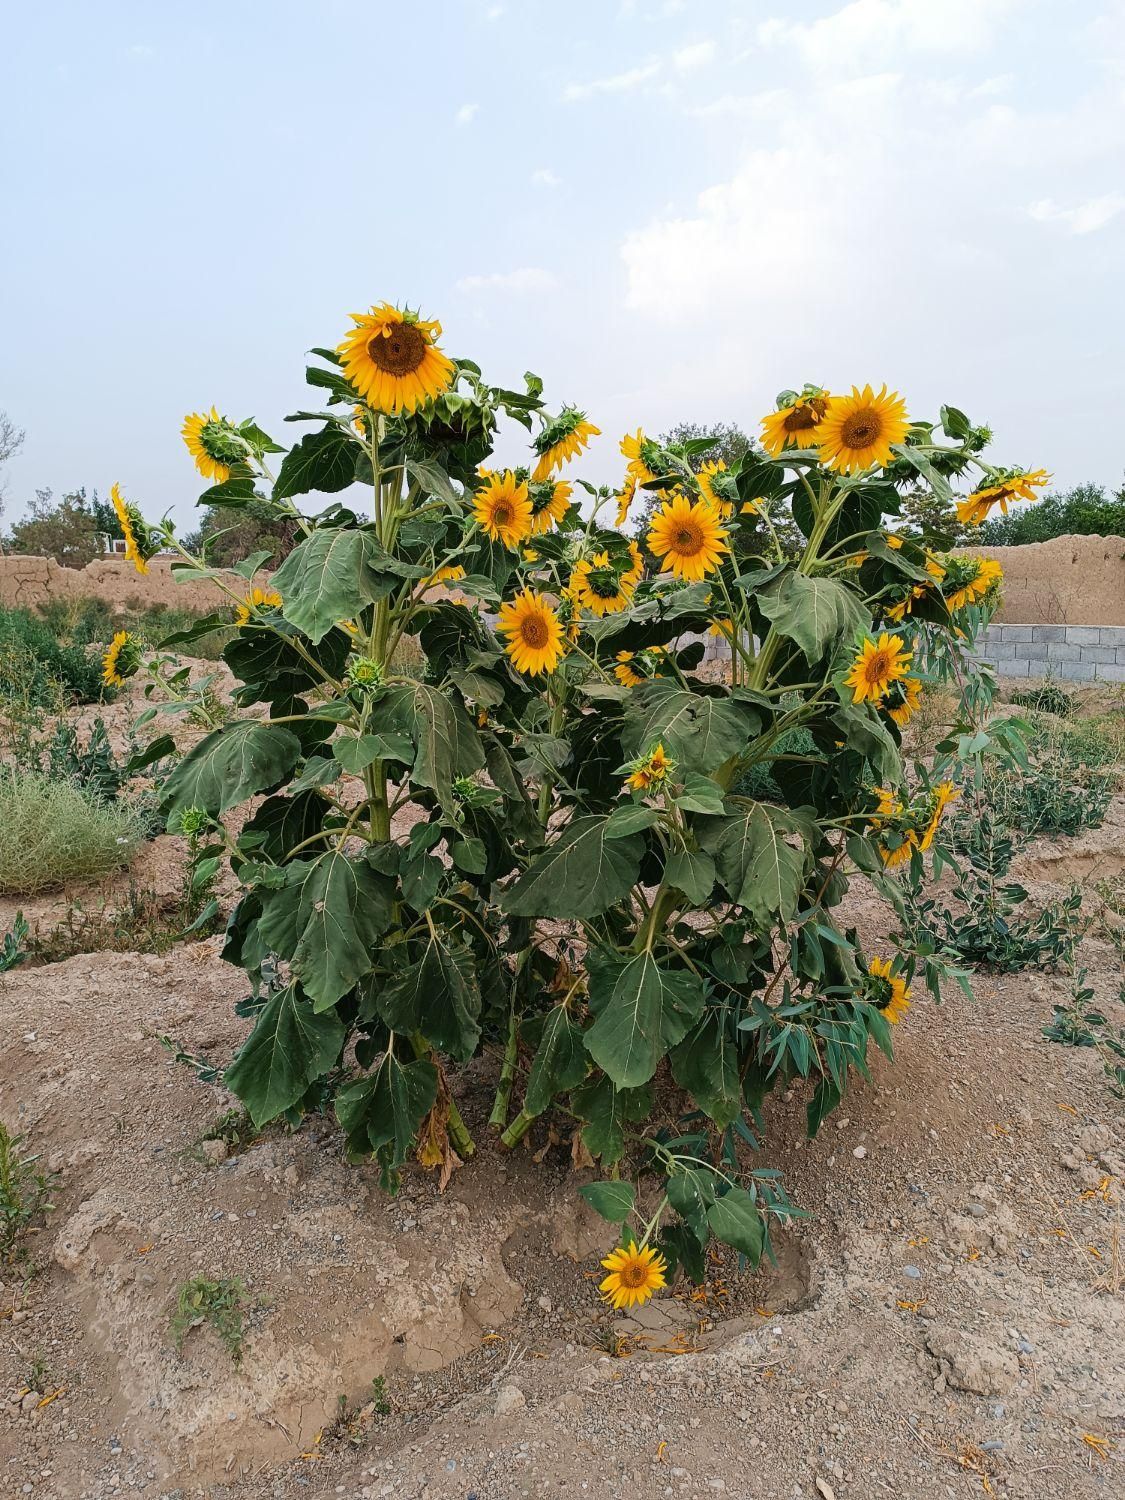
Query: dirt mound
[949, 1314]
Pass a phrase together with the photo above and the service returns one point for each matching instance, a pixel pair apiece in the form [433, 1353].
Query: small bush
[1047, 698]
[52, 832]
[24, 1193]
[78, 669]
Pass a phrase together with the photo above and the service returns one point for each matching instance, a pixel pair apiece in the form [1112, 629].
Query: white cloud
[544, 177]
[695, 56]
[616, 83]
[865, 33]
[1087, 217]
[466, 114]
[523, 279]
[760, 106]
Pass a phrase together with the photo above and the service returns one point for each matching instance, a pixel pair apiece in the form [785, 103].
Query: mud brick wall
[1070, 580]
[27, 582]
[1078, 653]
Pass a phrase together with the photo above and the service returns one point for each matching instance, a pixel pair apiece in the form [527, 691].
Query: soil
[946, 1321]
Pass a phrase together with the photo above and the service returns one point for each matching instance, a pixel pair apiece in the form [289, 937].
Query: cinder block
[1017, 632]
[1032, 651]
[1076, 671]
[999, 651]
[1048, 632]
[1111, 673]
[1084, 635]
[1098, 653]
[1112, 635]
[1013, 669]
[1064, 651]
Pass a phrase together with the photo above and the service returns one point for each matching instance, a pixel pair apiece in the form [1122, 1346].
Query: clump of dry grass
[52, 832]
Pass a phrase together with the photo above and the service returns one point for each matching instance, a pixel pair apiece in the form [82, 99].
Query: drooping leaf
[232, 763]
[735, 1220]
[813, 612]
[762, 854]
[326, 920]
[382, 1112]
[581, 875]
[706, 1065]
[613, 1200]
[322, 461]
[865, 733]
[356, 752]
[608, 1110]
[691, 1193]
[436, 996]
[642, 1009]
[445, 744]
[281, 823]
[560, 1060]
[290, 1047]
[697, 730]
[693, 872]
[330, 577]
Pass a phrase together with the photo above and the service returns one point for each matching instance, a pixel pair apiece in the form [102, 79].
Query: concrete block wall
[1076, 653]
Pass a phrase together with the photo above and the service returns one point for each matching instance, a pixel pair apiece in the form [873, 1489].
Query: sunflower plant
[536, 848]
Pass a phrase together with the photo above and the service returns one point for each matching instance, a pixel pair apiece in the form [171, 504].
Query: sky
[668, 210]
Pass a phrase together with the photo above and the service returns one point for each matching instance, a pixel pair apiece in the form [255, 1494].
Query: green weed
[220, 1304]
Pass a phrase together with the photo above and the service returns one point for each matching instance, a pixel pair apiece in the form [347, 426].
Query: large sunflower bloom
[503, 509]
[598, 587]
[689, 537]
[561, 439]
[795, 424]
[1007, 485]
[121, 660]
[550, 501]
[859, 430]
[633, 1275]
[894, 995]
[392, 359]
[214, 443]
[535, 634]
[877, 665]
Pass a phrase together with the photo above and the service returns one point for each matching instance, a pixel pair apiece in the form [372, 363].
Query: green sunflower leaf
[290, 1047]
[581, 875]
[330, 577]
[381, 1113]
[812, 612]
[438, 996]
[697, 730]
[232, 763]
[642, 1010]
[763, 854]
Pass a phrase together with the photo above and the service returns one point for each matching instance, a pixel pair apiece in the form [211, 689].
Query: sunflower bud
[365, 673]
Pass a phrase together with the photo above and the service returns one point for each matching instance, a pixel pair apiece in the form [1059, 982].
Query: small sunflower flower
[877, 665]
[122, 659]
[649, 771]
[562, 439]
[140, 542]
[889, 993]
[502, 509]
[258, 602]
[451, 574]
[903, 699]
[550, 501]
[1007, 485]
[634, 1274]
[711, 486]
[794, 424]
[625, 672]
[365, 673]
[534, 631]
[392, 358]
[940, 798]
[214, 443]
[598, 586]
[987, 573]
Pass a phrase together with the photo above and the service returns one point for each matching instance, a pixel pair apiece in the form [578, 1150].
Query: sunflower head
[550, 501]
[649, 771]
[859, 430]
[365, 673]
[717, 487]
[534, 631]
[452, 574]
[902, 700]
[634, 1274]
[603, 585]
[969, 580]
[689, 537]
[887, 991]
[876, 665]
[939, 799]
[215, 444]
[258, 602]
[562, 438]
[141, 542]
[122, 659]
[1005, 485]
[795, 422]
[392, 359]
[502, 509]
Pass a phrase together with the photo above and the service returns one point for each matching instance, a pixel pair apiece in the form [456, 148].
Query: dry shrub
[52, 832]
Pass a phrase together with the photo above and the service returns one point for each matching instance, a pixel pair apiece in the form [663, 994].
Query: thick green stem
[517, 1130]
[499, 1116]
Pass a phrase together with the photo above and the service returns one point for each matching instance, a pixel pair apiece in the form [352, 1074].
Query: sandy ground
[948, 1321]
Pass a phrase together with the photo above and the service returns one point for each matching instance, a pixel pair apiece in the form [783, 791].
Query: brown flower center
[633, 1274]
[533, 629]
[399, 351]
[689, 539]
[801, 418]
[502, 514]
[861, 429]
[878, 667]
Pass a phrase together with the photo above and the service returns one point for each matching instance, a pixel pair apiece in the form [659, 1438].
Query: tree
[926, 514]
[66, 530]
[11, 441]
[1085, 510]
[231, 534]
